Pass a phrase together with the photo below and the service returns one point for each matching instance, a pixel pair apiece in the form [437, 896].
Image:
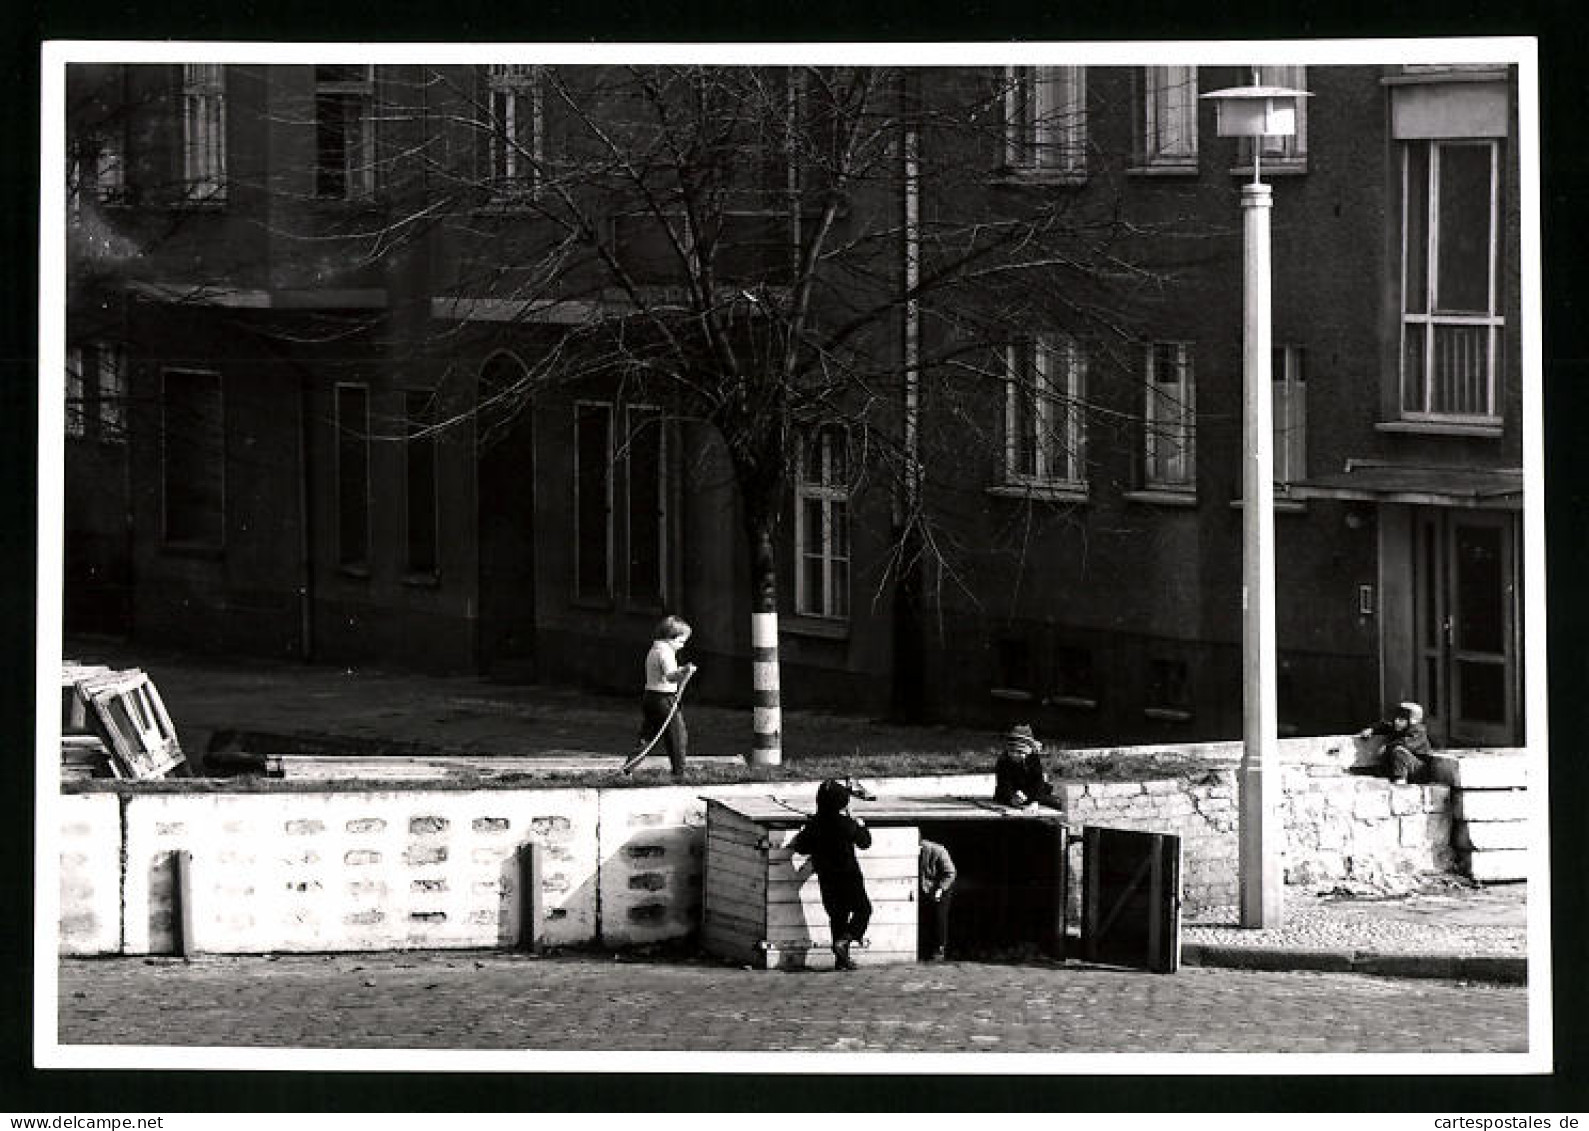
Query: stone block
[1500, 866]
[1481, 769]
[1487, 836]
[1372, 802]
[1412, 831]
[1491, 805]
[1405, 799]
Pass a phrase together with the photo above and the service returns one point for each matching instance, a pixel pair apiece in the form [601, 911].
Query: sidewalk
[1447, 928]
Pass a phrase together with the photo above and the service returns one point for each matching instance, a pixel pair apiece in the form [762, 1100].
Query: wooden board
[1131, 898]
[782, 812]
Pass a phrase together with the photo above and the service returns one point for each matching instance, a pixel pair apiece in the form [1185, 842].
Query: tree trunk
[909, 645]
[767, 740]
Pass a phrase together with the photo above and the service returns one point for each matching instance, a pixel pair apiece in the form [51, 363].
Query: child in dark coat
[1404, 755]
[1018, 775]
[830, 838]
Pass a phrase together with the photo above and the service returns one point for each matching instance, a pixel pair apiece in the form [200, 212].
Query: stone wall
[277, 869]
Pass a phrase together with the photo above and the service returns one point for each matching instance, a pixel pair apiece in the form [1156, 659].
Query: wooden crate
[126, 713]
[74, 700]
[763, 906]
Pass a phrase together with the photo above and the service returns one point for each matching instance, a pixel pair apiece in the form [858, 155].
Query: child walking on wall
[660, 718]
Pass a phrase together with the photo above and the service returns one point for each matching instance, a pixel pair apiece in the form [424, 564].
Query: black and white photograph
[1015, 558]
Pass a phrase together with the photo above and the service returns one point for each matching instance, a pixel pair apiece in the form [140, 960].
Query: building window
[514, 140]
[353, 476]
[1012, 677]
[193, 463]
[1169, 690]
[204, 131]
[646, 514]
[822, 525]
[1167, 117]
[419, 457]
[1171, 420]
[76, 400]
[1075, 677]
[1045, 119]
[1044, 436]
[344, 132]
[593, 501]
[1290, 400]
[111, 385]
[1281, 151]
[102, 169]
[1450, 324]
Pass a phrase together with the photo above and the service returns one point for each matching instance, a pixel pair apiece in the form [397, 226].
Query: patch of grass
[1063, 766]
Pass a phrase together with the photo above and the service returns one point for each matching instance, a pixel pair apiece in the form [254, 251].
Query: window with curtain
[1167, 117]
[1170, 418]
[344, 132]
[513, 144]
[204, 132]
[1045, 119]
[1288, 377]
[822, 525]
[1044, 438]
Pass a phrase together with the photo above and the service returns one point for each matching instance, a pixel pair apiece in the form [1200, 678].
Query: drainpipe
[305, 522]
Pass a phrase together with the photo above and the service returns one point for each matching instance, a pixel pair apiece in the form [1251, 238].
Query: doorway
[505, 489]
[1467, 625]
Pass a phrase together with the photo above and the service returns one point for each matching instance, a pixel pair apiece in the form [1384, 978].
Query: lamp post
[1257, 112]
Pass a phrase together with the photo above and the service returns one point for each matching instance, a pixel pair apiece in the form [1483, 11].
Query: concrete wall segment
[90, 875]
[358, 871]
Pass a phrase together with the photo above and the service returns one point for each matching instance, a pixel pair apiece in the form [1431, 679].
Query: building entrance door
[505, 485]
[1467, 625]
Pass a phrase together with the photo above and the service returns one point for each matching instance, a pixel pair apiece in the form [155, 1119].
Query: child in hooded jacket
[1404, 755]
[830, 837]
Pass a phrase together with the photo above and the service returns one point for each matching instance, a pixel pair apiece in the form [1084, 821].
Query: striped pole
[767, 745]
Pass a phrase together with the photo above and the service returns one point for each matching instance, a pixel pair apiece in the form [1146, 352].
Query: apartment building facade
[331, 395]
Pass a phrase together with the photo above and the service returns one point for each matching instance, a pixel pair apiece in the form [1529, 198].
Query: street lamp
[1258, 112]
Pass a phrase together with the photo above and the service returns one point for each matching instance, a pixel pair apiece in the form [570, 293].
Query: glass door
[1467, 627]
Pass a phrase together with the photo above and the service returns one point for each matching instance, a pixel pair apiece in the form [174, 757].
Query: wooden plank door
[1131, 902]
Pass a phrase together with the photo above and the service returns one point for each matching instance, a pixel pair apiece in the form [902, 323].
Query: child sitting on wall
[1404, 755]
[1018, 775]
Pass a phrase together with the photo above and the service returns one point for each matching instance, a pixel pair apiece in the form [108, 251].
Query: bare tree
[848, 258]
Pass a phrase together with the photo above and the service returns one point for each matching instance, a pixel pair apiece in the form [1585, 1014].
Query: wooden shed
[761, 909]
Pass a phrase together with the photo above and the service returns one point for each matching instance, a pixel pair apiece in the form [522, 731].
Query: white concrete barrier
[90, 874]
[357, 870]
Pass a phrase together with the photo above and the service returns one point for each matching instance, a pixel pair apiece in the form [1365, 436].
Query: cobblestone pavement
[1445, 917]
[495, 1001]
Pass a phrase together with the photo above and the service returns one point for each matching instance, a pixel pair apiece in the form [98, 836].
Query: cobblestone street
[585, 1002]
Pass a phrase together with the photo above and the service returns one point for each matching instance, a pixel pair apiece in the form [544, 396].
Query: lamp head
[1256, 111]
